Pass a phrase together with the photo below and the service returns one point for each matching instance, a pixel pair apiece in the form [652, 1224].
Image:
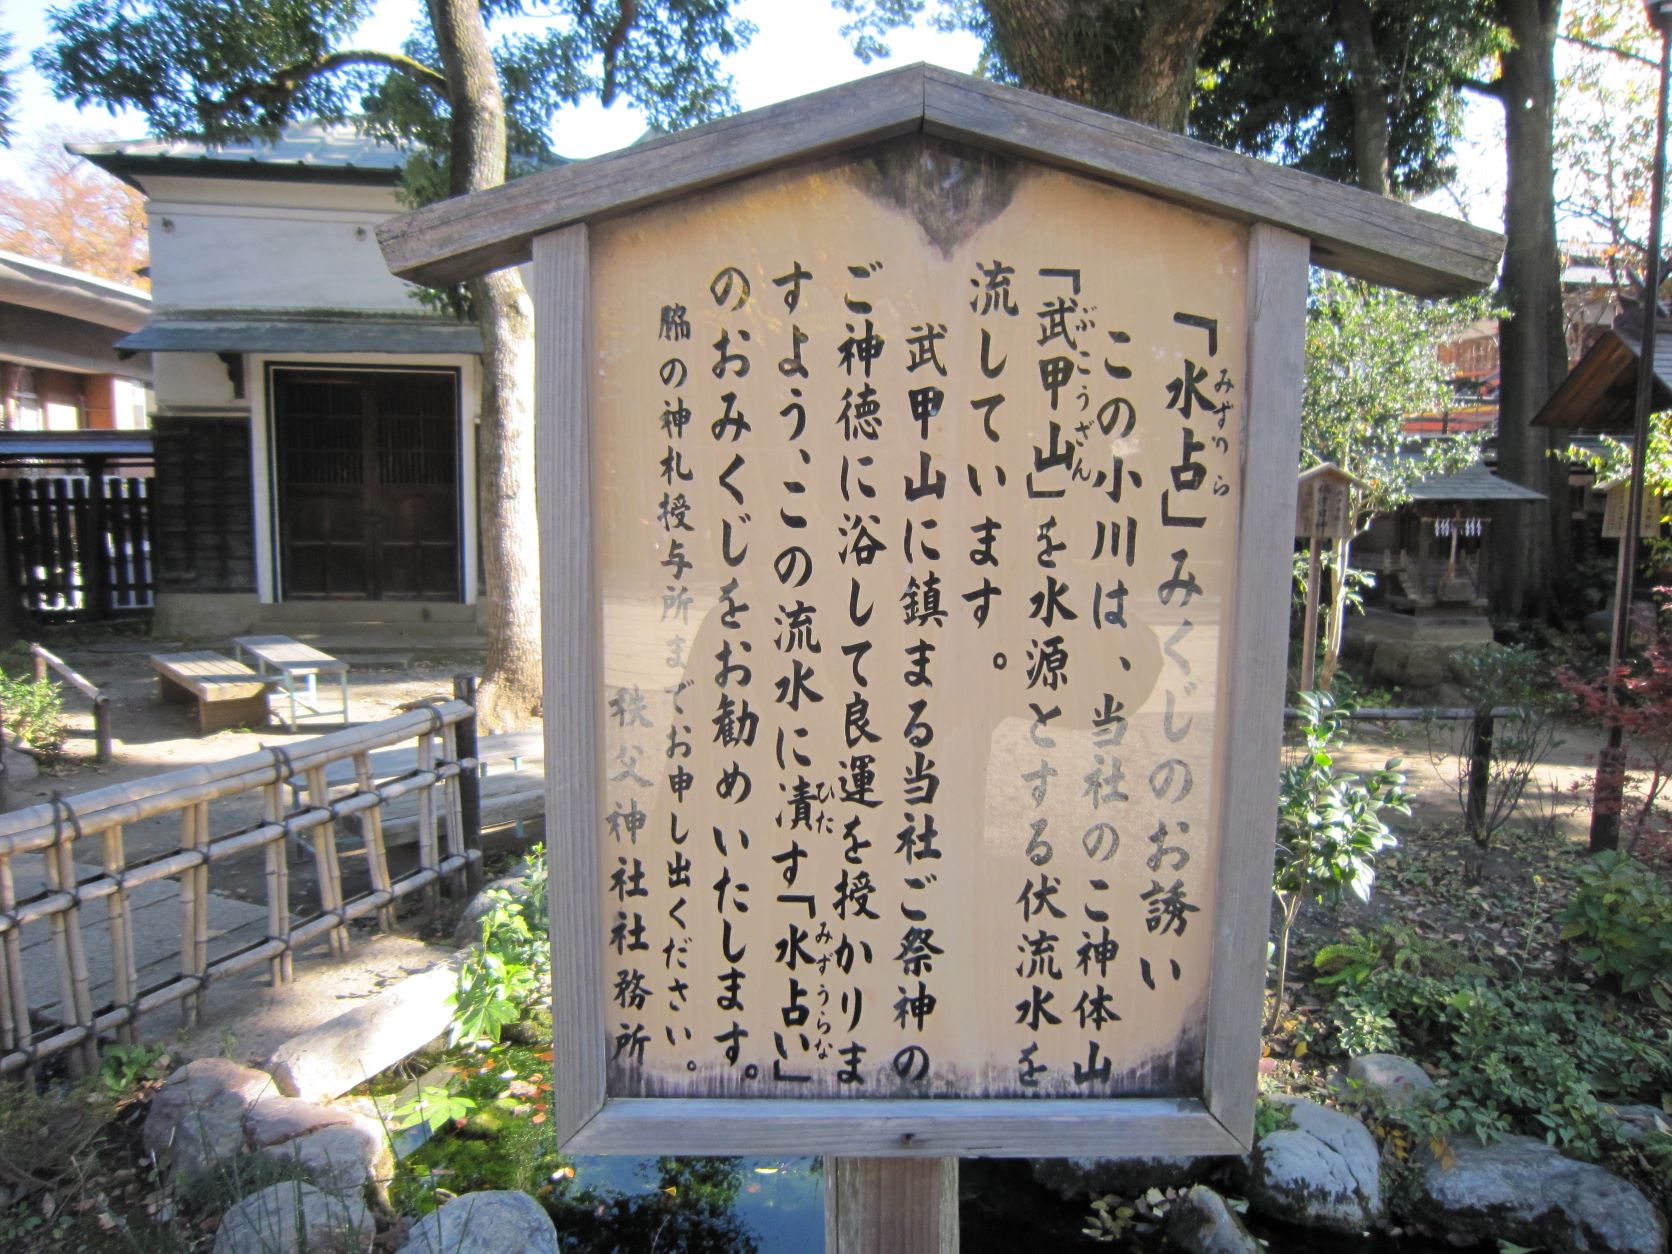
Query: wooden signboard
[916, 470]
[1322, 505]
[1616, 505]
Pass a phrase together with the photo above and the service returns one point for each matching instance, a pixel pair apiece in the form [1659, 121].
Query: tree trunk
[1135, 60]
[1335, 632]
[1370, 97]
[510, 692]
[1531, 540]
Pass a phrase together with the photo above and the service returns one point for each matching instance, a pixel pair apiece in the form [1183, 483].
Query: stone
[341, 1159]
[468, 930]
[1324, 1172]
[274, 1119]
[328, 1060]
[1521, 1190]
[484, 1223]
[1636, 1124]
[292, 1217]
[1425, 666]
[20, 767]
[1080, 1179]
[1388, 662]
[1202, 1222]
[1396, 1081]
[196, 1119]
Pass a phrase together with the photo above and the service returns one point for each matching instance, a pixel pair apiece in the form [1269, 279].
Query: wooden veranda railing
[54, 832]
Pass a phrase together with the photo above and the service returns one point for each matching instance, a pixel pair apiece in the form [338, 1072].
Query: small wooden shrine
[1436, 546]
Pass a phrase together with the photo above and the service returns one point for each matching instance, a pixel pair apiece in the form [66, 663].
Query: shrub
[1619, 921]
[1329, 824]
[506, 972]
[34, 711]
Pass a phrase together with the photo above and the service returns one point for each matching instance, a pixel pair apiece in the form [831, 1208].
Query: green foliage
[1533, 1056]
[1329, 827]
[34, 709]
[1109, 1220]
[1270, 1116]
[8, 92]
[1276, 81]
[437, 1106]
[1329, 823]
[503, 975]
[253, 68]
[1619, 920]
[124, 1068]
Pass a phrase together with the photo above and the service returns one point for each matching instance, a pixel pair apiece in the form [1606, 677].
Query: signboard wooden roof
[1369, 237]
[927, 819]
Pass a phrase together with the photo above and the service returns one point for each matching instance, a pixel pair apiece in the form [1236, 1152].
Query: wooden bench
[228, 693]
[291, 660]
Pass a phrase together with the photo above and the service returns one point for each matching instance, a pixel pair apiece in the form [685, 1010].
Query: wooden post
[891, 1205]
[1309, 632]
[1480, 771]
[101, 728]
[470, 783]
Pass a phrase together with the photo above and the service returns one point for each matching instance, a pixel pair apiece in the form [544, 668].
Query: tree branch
[1622, 53]
[288, 80]
[1494, 89]
[612, 47]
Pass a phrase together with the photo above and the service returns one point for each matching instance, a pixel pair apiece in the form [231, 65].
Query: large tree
[1134, 58]
[1532, 543]
[472, 105]
[1359, 91]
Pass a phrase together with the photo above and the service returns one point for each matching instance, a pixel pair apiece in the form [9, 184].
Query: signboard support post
[1309, 634]
[891, 1205]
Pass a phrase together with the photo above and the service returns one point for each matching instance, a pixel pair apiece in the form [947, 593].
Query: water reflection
[695, 1205]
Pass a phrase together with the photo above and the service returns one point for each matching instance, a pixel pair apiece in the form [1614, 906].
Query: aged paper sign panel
[917, 495]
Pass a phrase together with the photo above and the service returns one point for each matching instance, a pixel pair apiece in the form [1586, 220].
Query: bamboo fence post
[325, 861]
[455, 809]
[470, 782]
[81, 983]
[377, 854]
[426, 817]
[16, 1022]
[119, 914]
[277, 857]
[192, 837]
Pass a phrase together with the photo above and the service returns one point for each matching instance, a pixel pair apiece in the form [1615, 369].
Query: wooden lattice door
[368, 483]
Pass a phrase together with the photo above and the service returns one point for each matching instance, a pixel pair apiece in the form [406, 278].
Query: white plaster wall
[191, 380]
[249, 257]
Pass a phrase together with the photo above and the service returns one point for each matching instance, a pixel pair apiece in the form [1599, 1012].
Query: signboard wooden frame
[1291, 219]
[1220, 1121]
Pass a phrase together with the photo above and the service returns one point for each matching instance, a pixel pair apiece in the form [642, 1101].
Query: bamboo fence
[96, 820]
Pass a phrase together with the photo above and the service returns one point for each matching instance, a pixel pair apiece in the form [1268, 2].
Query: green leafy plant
[1329, 825]
[125, 1068]
[506, 972]
[437, 1106]
[1110, 1220]
[34, 711]
[1618, 920]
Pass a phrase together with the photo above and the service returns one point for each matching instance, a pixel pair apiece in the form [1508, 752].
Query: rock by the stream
[1202, 1222]
[1077, 1179]
[1324, 1172]
[1397, 1081]
[340, 1158]
[493, 1222]
[292, 1217]
[1522, 1190]
[1636, 1124]
[328, 1060]
[196, 1120]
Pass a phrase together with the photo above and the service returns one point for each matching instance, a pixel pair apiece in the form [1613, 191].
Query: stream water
[776, 1206]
